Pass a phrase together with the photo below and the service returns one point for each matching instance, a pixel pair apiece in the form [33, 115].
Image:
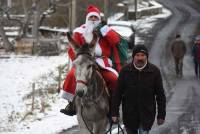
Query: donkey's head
[84, 64]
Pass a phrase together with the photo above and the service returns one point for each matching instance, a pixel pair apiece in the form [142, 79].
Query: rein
[103, 89]
[95, 102]
[81, 81]
[104, 83]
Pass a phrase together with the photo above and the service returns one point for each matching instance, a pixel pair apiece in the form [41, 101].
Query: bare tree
[7, 45]
[34, 16]
[38, 15]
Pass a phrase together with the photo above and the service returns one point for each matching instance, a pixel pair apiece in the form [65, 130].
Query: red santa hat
[93, 11]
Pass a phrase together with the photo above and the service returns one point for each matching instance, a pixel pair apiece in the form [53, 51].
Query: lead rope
[85, 121]
[110, 128]
[120, 128]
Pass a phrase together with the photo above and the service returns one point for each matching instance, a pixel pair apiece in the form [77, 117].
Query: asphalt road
[183, 95]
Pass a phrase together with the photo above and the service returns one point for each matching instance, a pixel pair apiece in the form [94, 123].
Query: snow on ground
[17, 75]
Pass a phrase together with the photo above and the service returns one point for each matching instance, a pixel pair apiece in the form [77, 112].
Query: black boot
[69, 109]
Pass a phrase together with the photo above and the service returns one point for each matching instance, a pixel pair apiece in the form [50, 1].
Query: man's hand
[160, 121]
[115, 119]
[97, 32]
[103, 22]
[97, 29]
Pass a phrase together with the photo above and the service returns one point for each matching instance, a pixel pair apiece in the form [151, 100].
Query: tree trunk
[7, 45]
[28, 14]
[36, 21]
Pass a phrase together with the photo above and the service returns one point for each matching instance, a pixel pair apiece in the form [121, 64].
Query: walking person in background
[139, 89]
[196, 55]
[106, 55]
[178, 49]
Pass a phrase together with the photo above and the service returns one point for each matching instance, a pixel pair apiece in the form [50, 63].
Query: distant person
[1, 43]
[178, 49]
[107, 55]
[139, 89]
[196, 55]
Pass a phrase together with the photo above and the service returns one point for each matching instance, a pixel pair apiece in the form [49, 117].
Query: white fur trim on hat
[93, 14]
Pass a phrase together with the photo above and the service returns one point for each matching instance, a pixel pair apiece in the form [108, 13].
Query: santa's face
[91, 23]
[93, 18]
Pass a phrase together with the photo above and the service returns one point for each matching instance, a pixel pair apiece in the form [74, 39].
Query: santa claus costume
[106, 48]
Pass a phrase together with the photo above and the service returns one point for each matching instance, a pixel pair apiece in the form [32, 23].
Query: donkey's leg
[84, 129]
[81, 123]
[100, 127]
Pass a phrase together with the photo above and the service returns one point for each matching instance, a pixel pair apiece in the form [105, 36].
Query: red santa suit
[105, 48]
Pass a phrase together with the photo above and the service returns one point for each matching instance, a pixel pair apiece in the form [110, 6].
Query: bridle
[91, 58]
[82, 82]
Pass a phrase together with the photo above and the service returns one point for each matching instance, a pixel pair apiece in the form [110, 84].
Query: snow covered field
[16, 77]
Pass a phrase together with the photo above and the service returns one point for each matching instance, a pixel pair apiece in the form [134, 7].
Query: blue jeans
[135, 131]
[142, 131]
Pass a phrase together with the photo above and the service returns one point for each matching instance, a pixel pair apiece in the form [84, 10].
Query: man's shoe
[69, 109]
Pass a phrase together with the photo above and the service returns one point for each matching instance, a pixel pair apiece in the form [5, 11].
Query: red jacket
[105, 47]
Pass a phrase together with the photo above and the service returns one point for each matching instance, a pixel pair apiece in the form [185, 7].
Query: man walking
[178, 49]
[196, 55]
[139, 88]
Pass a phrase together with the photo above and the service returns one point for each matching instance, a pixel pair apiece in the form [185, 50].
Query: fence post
[42, 103]
[33, 96]
[59, 78]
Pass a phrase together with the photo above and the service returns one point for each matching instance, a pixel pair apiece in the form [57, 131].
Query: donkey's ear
[71, 41]
[94, 40]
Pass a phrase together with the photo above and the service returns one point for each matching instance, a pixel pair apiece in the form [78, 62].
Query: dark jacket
[139, 91]
[178, 48]
[196, 51]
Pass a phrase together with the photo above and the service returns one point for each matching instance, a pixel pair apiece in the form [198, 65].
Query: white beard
[89, 27]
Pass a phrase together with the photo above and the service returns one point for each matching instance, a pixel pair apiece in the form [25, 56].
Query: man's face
[140, 59]
[92, 22]
[93, 18]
